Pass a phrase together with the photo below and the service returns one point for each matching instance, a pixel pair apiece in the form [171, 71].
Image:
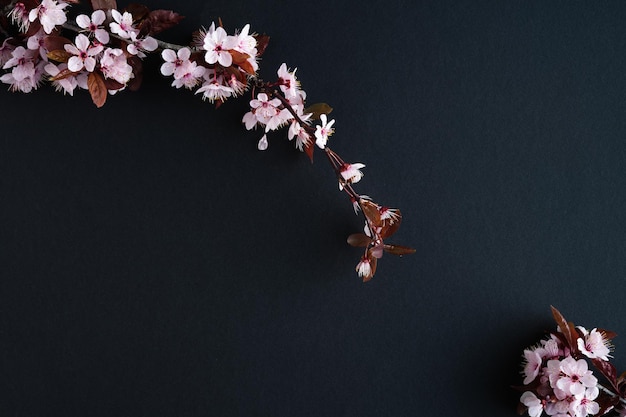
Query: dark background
[154, 263]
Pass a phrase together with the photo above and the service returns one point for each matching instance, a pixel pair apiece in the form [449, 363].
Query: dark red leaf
[607, 369]
[606, 403]
[359, 240]
[103, 4]
[139, 11]
[54, 43]
[97, 89]
[111, 84]
[566, 328]
[371, 212]
[135, 82]
[160, 20]
[309, 148]
[398, 250]
[261, 44]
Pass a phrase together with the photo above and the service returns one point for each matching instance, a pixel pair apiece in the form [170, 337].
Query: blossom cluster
[104, 56]
[93, 60]
[557, 378]
[221, 63]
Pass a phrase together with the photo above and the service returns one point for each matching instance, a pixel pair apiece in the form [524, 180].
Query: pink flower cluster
[221, 63]
[69, 63]
[557, 378]
[284, 108]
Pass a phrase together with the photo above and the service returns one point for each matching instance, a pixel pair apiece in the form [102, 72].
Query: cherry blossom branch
[105, 57]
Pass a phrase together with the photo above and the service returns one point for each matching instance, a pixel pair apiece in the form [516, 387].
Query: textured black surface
[154, 263]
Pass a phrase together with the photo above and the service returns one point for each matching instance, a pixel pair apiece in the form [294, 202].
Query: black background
[154, 263]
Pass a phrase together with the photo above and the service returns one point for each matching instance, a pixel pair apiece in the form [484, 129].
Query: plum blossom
[262, 145]
[36, 43]
[217, 43]
[93, 25]
[137, 46]
[574, 376]
[19, 16]
[50, 14]
[350, 174]
[288, 83]
[585, 404]
[174, 61]
[534, 404]
[364, 268]
[84, 54]
[25, 74]
[214, 89]
[123, 24]
[114, 65]
[6, 52]
[324, 131]
[266, 112]
[594, 344]
[299, 132]
[66, 84]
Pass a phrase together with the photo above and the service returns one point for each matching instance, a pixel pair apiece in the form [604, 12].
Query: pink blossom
[575, 376]
[138, 46]
[364, 268]
[267, 111]
[93, 25]
[532, 365]
[19, 16]
[50, 14]
[6, 52]
[114, 65]
[123, 24]
[350, 174]
[66, 84]
[300, 133]
[244, 42]
[534, 404]
[174, 61]
[288, 83]
[584, 404]
[323, 131]
[36, 43]
[84, 54]
[594, 345]
[217, 43]
[214, 89]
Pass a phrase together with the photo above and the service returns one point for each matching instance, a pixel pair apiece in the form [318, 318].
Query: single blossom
[214, 90]
[93, 25]
[49, 13]
[364, 268]
[20, 16]
[534, 404]
[174, 61]
[123, 24]
[575, 377]
[593, 344]
[350, 174]
[532, 365]
[217, 43]
[323, 131]
[66, 84]
[288, 83]
[138, 46]
[84, 54]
